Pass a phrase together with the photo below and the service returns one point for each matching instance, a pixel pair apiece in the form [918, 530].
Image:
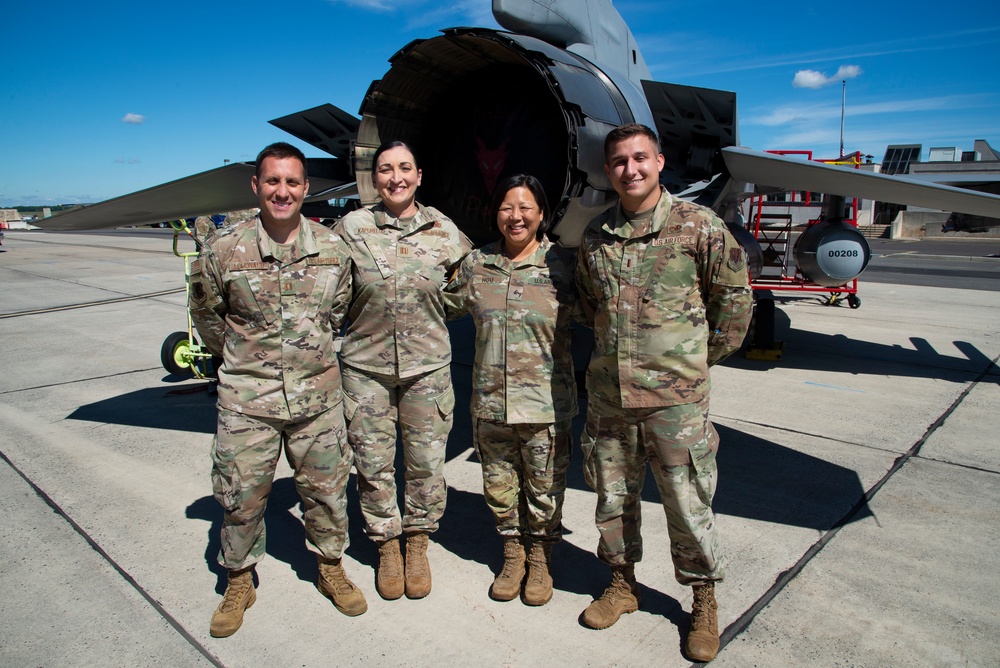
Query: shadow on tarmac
[467, 531]
[759, 479]
[838, 352]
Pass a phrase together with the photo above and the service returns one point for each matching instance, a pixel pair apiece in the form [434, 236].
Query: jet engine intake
[480, 105]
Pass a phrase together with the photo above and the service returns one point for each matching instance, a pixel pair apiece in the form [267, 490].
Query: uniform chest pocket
[318, 307]
[244, 291]
[671, 289]
[600, 260]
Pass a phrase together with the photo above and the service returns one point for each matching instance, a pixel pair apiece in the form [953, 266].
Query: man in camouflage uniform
[666, 286]
[396, 356]
[269, 296]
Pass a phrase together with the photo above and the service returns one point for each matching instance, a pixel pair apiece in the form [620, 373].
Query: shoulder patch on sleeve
[733, 269]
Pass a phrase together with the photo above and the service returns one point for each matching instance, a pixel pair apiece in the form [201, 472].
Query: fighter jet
[578, 73]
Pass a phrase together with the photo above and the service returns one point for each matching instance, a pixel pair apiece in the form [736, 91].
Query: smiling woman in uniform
[521, 293]
[396, 356]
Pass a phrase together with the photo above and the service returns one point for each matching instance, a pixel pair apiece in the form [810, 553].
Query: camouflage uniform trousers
[244, 455]
[524, 475]
[422, 407]
[680, 444]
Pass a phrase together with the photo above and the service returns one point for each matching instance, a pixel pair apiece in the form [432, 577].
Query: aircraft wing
[326, 127]
[215, 191]
[768, 169]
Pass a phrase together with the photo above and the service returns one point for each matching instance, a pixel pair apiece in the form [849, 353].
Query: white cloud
[814, 79]
[847, 72]
[133, 119]
[809, 79]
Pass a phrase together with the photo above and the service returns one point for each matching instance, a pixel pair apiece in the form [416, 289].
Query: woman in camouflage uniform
[521, 293]
[396, 357]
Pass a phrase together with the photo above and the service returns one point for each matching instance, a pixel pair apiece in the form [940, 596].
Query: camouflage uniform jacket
[667, 300]
[397, 317]
[523, 371]
[273, 323]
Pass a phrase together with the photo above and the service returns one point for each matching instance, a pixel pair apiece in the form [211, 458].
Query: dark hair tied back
[535, 187]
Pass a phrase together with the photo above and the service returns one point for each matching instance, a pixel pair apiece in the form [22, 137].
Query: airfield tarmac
[858, 497]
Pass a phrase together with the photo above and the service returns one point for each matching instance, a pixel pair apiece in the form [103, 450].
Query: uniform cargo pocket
[446, 402]
[588, 443]
[225, 480]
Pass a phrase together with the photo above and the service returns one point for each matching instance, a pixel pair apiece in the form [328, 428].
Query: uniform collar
[495, 256]
[623, 228]
[384, 218]
[304, 244]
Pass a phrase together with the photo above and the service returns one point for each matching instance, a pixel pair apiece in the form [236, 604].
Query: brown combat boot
[507, 585]
[418, 570]
[333, 584]
[389, 580]
[240, 595]
[621, 597]
[538, 588]
[703, 638]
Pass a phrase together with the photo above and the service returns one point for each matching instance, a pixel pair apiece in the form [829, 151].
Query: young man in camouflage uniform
[666, 286]
[269, 296]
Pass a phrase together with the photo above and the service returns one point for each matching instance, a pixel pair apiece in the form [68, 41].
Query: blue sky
[101, 99]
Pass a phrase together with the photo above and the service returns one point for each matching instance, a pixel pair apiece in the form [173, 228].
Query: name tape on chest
[673, 240]
[250, 266]
[323, 261]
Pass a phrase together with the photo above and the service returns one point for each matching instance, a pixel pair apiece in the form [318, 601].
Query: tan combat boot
[418, 570]
[389, 580]
[703, 638]
[507, 585]
[240, 595]
[538, 588]
[621, 597]
[333, 584]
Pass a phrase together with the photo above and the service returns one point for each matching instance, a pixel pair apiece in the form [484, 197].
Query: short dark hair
[281, 150]
[395, 143]
[533, 185]
[629, 130]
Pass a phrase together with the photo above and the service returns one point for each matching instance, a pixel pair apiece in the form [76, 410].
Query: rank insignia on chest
[287, 288]
[404, 250]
